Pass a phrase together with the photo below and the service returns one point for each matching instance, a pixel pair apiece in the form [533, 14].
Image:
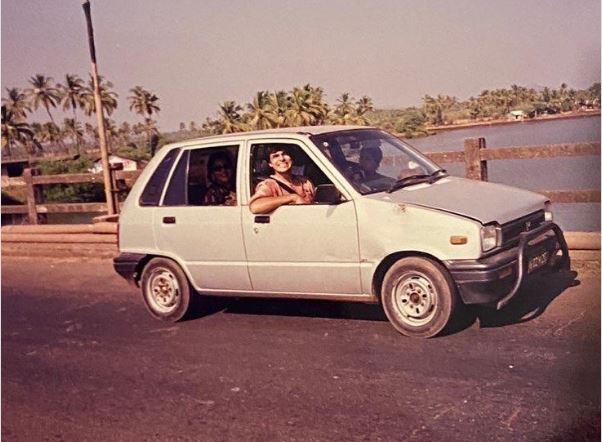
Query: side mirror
[327, 194]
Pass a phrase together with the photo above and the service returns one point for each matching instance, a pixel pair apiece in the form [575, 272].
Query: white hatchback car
[404, 234]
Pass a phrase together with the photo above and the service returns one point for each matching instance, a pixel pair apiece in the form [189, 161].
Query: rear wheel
[418, 297]
[165, 290]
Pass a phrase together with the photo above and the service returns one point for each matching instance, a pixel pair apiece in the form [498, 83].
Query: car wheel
[418, 297]
[165, 290]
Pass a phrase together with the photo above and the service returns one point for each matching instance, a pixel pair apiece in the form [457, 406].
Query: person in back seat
[221, 190]
[282, 187]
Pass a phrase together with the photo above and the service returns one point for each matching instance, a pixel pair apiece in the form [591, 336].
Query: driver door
[311, 249]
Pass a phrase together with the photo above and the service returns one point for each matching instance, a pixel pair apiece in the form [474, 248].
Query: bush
[70, 193]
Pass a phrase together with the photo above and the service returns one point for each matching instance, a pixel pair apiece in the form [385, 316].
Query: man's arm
[268, 204]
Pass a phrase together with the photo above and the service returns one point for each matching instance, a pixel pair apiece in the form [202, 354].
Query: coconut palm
[230, 117]
[43, 92]
[363, 106]
[262, 114]
[108, 98]
[72, 93]
[16, 131]
[279, 101]
[344, 112]
[16, 102]
[143, 102]
[73, 129]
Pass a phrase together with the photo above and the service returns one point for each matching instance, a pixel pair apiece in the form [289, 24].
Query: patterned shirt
[219, 196]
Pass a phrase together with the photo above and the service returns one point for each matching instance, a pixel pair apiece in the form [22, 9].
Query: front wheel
[418, 297]
[165, 290]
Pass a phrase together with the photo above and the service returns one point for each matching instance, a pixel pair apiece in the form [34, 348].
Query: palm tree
[108, 98]
[72, 93]
[302, 109]
[262, 114]
[279, 101]
[51, 134]
[73, 129]
[230, 117]
[145, 104]
[16, 102]
[344, 112]
[43, 92]
[16, 131]
[363, 106]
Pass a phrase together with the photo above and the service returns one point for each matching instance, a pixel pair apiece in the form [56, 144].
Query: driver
[371, 156]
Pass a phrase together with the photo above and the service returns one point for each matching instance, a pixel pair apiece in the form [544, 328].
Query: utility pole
[106, 173]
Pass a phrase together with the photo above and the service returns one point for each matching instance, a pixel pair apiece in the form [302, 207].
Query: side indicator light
[458, 240]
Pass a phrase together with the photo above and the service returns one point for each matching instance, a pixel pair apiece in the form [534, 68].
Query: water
[560, 173]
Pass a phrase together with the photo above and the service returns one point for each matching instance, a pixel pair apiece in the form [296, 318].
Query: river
[560, 173]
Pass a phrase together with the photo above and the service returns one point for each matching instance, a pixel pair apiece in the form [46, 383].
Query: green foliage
[412, 124]
[70, 193]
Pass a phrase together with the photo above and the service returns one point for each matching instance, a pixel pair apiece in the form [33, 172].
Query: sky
[195, 54]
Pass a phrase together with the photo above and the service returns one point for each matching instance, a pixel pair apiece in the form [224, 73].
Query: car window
[302, 164]
[204, 177]
[154, 188]
[176, 191]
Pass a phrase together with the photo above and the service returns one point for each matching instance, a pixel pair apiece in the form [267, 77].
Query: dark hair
[219, 156]
[373, 151]
[273, 148]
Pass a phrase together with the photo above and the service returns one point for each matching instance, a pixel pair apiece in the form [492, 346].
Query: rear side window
[152, 192]
[176, 191]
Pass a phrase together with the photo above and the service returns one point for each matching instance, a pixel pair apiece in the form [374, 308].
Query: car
[387, 225]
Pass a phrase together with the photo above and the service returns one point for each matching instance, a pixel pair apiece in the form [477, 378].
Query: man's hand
[296, 199]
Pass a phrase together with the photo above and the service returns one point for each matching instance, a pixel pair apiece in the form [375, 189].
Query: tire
[418, 297]
[165, 290]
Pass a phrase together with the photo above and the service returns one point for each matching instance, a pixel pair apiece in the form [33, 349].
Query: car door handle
[262, 219]
[169, 220]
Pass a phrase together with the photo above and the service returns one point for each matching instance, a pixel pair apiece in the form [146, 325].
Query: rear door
[204, 234]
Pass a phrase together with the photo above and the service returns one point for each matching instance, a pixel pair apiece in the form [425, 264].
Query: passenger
[221, 190]
[282, 187]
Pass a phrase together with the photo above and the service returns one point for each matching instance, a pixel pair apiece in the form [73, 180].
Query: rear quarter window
[154, 188]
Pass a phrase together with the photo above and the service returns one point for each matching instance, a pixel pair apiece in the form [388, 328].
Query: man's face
[280, 161]
[368, 162]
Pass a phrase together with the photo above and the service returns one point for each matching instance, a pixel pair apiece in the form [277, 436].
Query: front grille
[512, 230]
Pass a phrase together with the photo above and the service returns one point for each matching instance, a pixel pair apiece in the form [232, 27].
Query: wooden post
[476, 169]
[32, 213]
[99, 113]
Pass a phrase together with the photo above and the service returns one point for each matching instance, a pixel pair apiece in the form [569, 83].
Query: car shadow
[529, 303]
[288, 307]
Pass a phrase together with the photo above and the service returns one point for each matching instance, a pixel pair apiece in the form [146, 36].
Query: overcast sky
[196, 54]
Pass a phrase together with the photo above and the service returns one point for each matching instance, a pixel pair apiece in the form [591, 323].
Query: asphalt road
[82, 360]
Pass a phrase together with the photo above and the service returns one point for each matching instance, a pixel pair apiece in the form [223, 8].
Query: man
[365, 174]
[282, 187]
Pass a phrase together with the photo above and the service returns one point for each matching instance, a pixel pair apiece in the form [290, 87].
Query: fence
[474, 156]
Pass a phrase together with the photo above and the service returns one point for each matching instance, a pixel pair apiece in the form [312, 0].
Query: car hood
[483, 201]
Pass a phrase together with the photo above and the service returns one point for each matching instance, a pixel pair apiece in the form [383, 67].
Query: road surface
[83, 360]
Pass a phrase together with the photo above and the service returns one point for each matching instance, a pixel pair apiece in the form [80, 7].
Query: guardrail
[474, 156]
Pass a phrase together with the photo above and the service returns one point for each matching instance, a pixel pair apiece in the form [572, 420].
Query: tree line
[72, 95]
[301, 106]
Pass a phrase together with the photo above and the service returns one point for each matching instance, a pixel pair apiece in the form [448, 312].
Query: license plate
[538, 261]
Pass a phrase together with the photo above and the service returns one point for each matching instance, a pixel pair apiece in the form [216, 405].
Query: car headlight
[547, 209]
[491, 236]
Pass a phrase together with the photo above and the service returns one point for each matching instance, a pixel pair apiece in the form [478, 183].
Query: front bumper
[495, 279]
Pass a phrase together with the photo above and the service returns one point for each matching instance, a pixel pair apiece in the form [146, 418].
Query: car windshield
[375, 161]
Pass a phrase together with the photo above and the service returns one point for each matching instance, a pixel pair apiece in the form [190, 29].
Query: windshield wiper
[417, 179]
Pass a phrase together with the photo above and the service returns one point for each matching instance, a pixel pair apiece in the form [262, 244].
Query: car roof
[300, 130]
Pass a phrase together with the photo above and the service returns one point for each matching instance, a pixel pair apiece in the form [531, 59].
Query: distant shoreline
[561, 116]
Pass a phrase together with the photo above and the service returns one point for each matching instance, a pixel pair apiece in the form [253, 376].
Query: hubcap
[163, 290]
[415, 298]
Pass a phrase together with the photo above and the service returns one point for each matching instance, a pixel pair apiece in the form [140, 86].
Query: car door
[310, 249]
[207, 239]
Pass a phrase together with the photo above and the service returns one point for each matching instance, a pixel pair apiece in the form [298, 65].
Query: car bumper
[495, 279]
[128, 265]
